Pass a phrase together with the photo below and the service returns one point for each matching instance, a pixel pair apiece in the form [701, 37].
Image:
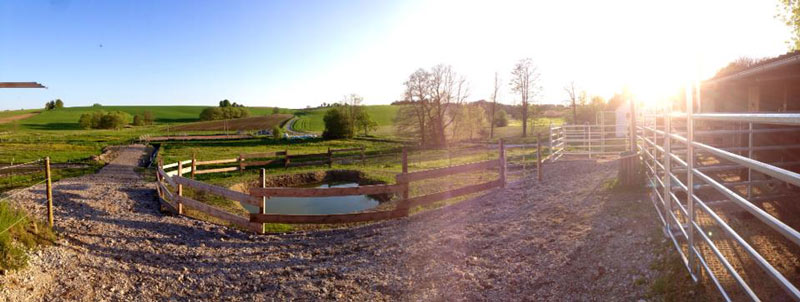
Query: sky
[302, 53]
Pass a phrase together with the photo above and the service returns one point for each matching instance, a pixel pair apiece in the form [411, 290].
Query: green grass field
[311, 120]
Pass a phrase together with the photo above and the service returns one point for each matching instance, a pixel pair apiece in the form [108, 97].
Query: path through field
[562, 239]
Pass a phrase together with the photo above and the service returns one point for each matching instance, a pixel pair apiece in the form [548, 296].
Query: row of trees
[434, 101]
[347, 118]
[54, 104]
[225, 111]
[104, 120]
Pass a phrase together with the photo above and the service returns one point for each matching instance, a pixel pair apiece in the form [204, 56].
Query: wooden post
[538, 157]
[241, 163]
[363, 158]
[286, 159]
[180, 188]
[49, 191]
[502, 164]
[263, 209]
[194, 163]
[330, 158]
[404, 203]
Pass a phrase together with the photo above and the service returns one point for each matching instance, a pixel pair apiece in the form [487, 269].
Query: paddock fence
[170, 186]
[696, 163]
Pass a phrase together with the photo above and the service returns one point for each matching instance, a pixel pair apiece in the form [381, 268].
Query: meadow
[310, 120]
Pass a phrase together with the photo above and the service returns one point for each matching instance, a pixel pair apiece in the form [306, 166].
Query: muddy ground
[568, 238]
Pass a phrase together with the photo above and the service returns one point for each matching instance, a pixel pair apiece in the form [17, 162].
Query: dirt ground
[567, 238]
[12, 118]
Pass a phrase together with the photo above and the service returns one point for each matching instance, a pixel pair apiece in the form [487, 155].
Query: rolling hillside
[311, 120]
[250, 123]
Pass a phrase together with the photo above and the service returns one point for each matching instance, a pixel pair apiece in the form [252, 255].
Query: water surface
[319, 205]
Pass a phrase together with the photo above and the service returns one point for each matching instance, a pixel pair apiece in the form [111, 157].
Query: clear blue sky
[298, 53]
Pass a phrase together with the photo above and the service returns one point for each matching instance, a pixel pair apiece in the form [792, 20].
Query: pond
[319, 205]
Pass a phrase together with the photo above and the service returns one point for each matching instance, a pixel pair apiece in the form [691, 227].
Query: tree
[85, 121]
[276, 110]
[138, 120]
[789, 13]
[59, 104]
[525, 82]
[570, 89]
[501, 118]
[148, 117]
[336, 124]
[277, 132]
[430, 95]
[225, 103]
[223, 113]
[352, 104]
[494, 104]
[364, 122]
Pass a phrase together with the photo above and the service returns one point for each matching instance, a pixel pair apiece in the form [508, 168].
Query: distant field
[311, 120]
[250, 123]
[15, 115]
[67, 118]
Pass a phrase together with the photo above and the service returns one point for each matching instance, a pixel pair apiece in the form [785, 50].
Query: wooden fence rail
[260, 196]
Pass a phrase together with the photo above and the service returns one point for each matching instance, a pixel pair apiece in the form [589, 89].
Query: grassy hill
[67, 118]
[311, 120]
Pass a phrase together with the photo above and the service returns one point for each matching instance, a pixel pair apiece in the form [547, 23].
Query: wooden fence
[170, 191]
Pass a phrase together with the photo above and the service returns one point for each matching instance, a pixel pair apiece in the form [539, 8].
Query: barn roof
[779, 62]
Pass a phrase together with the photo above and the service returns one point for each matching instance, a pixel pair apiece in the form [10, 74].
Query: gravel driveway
[542, 241]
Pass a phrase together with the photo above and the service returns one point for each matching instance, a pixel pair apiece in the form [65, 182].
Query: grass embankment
[19, 233]
[382, 164]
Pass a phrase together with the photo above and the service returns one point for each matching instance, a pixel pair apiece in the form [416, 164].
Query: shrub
[277, 132]
[102, 120]
[138, 120]
[149, 118]
[97, 105]
[501, 118]
[145, 118]
[337, 125]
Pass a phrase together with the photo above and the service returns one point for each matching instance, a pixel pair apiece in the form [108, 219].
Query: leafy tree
[97, 105]
[85, 121]
[225, 103]
[789, 13]
[50, 105]
[223, 113]
[277, 132]
[501, 118]
[364, 122]
[276, 110]
[336, 125]
[148, 117]
[138, 120]
[59, 104]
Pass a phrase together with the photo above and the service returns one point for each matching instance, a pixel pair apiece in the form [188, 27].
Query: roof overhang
[795, 59]
[21, 85]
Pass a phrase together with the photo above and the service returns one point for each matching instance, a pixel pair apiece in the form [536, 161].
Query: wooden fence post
[404, 204]
[502, 164]
[363, 158]
[194, 163]
[49, 191]
[180, 189]
[286, 159]
[241, 163]
[263, 209]
[330, 158]
[539, 156]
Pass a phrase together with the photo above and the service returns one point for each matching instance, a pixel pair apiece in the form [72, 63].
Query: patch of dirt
[12, 118]
[566, 238]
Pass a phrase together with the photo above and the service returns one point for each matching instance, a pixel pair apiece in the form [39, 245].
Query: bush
[145, 118]
[149, 118]
[138, 120]
[337, 125]
[97, 105]
[277, 132]
[501, 119]
[102, 120]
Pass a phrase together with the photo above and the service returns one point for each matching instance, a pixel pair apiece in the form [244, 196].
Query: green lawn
[311, 120]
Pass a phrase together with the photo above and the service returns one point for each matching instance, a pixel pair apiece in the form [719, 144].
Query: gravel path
[553, 240]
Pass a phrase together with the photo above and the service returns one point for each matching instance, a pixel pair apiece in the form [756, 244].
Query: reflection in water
[319, 205]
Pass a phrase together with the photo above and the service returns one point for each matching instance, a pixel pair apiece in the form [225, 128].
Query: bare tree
[352, 106]
[524, 81]
[494, 103]
[570, 89]
[431, 95]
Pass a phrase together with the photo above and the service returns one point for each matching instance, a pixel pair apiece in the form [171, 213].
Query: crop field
[250, 123]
